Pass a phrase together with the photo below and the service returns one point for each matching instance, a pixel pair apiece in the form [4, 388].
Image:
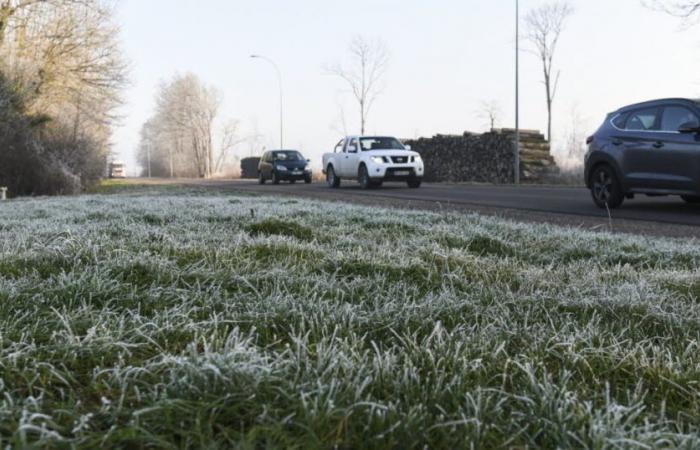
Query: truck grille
[399, 159]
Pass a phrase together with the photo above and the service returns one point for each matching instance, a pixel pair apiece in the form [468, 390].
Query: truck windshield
[290, 155]
[380, 143]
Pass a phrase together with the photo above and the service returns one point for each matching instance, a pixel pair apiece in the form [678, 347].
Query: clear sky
[447, 56]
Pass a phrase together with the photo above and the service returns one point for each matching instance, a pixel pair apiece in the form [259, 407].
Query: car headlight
[281, 168]
[307, 169]
[378, 159]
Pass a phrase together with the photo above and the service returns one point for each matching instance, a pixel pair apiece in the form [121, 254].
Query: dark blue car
[650, 148]
[284, 165]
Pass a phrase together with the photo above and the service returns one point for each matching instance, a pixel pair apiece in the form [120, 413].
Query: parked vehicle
[372, 160]
[117, 170]
[284, 165]
[650, 148]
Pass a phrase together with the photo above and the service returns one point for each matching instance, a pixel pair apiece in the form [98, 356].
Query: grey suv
[650, 148]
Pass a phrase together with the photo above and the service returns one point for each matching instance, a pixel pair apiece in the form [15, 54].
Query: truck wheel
[363, 177]
[331, 178]
[415, 183]
[275, 178]
[261, 178]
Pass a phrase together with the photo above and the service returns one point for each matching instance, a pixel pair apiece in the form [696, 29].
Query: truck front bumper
[395, 173]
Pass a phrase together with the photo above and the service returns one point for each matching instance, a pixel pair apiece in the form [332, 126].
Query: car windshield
[290, 155]
[380, 143]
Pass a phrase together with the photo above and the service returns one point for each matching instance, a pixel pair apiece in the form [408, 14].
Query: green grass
[176, 318]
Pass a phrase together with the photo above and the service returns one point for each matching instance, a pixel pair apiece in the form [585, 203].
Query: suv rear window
[643, 120]
[620, 120]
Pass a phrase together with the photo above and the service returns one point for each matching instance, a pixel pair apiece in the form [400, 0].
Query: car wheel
[307, 180]
[261, 178]
[363, 177]
[415, 183]
[331, 178]
[606, 189]
[692, 199]
[275, 178]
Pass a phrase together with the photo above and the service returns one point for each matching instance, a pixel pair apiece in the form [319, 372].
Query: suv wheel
[331, 178]
[275, 178]
[692, 199]
[261, 178]
[605, 188]
[363, 177]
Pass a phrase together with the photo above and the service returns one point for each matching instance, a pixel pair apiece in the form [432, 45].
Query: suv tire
[261, 178]
[275, 178]
[606, 189]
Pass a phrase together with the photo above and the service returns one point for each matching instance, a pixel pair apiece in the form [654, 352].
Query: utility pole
[516, 159]
[279, 79]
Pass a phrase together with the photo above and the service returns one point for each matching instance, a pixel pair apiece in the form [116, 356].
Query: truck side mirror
[407, 147]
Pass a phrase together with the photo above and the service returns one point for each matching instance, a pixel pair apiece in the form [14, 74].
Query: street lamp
[279, 79]
[516, 168]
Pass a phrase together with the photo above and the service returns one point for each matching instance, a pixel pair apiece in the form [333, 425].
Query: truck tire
[414, 183]
[331, 178]
[363, 177]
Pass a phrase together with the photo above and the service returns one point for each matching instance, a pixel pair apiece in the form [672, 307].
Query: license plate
[401, 173]
[297, 172]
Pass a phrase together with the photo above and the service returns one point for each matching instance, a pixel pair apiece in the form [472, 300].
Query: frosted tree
[543, 28]
[363, 73]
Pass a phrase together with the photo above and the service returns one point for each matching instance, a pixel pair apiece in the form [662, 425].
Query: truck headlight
[378, 159]
[418, 159]
[281, 168]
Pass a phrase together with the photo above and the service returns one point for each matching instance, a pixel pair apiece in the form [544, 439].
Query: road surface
[572, 206]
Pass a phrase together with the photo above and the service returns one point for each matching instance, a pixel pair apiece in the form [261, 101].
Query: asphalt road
[666, 216]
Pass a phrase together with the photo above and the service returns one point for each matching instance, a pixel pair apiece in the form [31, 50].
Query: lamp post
[279, 79]
[516, 168]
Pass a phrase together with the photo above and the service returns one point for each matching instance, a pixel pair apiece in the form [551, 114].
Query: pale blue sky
[446, 57]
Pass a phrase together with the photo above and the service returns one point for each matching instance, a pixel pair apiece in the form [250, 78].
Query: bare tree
[363, 73]
[544, 26]
[490, 110]
[687, 10]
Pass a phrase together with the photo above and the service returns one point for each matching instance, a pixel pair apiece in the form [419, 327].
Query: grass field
[177, 319]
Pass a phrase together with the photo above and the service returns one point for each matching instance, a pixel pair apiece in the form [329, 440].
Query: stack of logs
[249, 167]
[485, 158]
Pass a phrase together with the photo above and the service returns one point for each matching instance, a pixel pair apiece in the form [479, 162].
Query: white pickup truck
[371, 160]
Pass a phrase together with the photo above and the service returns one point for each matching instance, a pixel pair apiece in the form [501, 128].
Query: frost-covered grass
[160, 320]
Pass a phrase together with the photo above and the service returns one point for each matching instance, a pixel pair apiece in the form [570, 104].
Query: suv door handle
[658, 144]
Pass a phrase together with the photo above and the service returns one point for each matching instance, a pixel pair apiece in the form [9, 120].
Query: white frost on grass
[194, 320]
